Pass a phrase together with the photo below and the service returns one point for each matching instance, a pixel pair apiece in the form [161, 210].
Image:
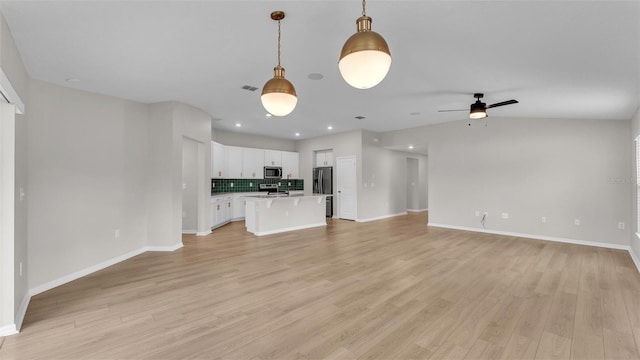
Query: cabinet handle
[218, 208]
[219, 173]
[228, 204]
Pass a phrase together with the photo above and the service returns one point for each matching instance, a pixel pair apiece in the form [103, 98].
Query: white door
[347, 196]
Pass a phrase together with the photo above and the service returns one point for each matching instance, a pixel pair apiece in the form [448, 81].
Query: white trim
[10, 93]
[536, 237]
[634, 257]
[204, 233]
[189, 232]
[417, 210]
[8, 330]
[289, 229]
[165, 248]
[22, 311]
[381, 217]
[84, 272]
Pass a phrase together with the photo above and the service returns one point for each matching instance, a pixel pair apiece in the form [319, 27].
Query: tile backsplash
[249, 185]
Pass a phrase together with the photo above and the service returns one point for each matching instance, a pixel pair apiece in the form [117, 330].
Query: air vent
[360, 117]
[250, 88]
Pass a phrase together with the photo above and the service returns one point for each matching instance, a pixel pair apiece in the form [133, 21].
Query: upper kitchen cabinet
[252, 163]
[233, 160]
[218, 163]
[324, 158]
[290, 165]
[273, 158]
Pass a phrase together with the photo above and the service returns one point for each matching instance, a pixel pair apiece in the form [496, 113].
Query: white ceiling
[560, 59]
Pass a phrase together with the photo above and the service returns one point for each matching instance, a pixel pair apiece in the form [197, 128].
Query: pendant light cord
[363, 6]
[278, 43]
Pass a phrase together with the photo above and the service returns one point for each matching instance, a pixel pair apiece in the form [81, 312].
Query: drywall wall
[252, 141]
[11, 64]
[529, 168]
[412, 182]
[342, 144]
[87, 161]
[634, 237]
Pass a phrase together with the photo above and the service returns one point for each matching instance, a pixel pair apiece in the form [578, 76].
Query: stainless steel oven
[273, 172]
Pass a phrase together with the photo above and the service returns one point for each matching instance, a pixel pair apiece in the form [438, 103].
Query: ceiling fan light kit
[365, 58]
[279, 96]
[478, 109]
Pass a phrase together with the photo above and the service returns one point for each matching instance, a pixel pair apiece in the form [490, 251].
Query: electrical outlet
[231, 184]
[477, 213]
[250, 184]
[576, 222]
[289, 183]
[621, 225]
[543, 219]
[279, 184]
[505, 215]
[116, 233]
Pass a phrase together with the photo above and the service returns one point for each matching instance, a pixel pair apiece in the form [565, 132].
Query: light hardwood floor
[389, 289]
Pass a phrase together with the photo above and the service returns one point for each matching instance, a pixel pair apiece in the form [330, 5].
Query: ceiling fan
[478, 109]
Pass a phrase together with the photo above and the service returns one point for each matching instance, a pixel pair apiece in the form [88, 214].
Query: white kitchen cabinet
[217, 211]
[234, 165]
[324, 158]
[221, 210]
[218, 162]
[238, 207]
[252, 163]
[273, 158]
[290, 165]
[227, 212]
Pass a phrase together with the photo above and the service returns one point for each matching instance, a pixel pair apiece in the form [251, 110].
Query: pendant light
[365, 58]
[278, 94]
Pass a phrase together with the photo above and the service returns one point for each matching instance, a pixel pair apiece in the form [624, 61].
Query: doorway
[347, 182]
[189, 186]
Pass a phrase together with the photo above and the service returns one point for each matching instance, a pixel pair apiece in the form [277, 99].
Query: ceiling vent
[250, 88]
[360, 117]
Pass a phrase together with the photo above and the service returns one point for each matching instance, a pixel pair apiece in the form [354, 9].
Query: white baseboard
[381, 217]
[189, 232]
[203, 233]
[84, 272]
[22, 310]
[536, 237]
[634, 257]
[417, 210]
[289, 229]
[8, 330]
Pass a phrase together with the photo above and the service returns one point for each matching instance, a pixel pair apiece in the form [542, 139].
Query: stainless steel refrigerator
[323, 184]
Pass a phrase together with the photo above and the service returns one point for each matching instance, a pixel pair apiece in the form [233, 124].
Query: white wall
[634, 240]
[88, 157]
[12, 65]
[252, 141]
[530, 168]
[413, 183]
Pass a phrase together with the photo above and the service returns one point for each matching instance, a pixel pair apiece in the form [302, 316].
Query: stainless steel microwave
[273, 172]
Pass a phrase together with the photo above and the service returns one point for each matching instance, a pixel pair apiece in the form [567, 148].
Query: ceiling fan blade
[508, 102]
[453, 110]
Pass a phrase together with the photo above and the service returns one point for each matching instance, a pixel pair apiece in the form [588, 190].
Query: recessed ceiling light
[268, 115]
[329, 127]
[238, 125]
[297, 134]
[315, 76]
[410, 146]
[72, 80]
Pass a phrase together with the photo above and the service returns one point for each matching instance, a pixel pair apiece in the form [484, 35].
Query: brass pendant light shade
[279, 96]
[365, 58]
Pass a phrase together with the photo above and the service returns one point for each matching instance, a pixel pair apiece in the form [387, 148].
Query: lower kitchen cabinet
[221, 210]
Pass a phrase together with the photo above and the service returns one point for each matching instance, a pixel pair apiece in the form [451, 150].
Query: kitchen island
[268, 214]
